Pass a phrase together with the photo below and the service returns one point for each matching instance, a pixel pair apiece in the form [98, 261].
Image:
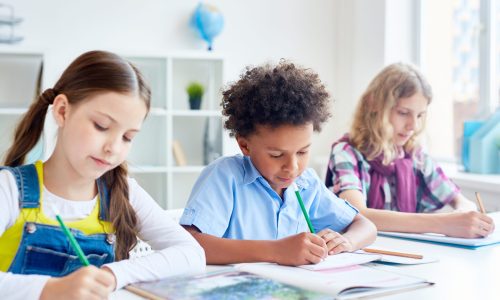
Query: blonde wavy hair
[371, 131]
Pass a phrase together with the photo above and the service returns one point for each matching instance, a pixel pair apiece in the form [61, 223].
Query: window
[460, 43]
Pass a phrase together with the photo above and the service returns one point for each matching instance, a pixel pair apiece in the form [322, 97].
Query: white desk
[459, 274]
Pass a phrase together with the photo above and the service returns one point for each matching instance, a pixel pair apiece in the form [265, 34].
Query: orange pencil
[480, 203]
[393, 253]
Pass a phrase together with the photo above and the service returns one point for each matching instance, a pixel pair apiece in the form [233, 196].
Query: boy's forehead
[284, 136]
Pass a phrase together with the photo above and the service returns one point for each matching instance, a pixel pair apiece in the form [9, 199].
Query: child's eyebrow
[278, 149]
[114, 121]
[409, 109]
[107, 116]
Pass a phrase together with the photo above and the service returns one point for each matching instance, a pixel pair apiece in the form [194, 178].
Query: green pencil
[303, 208]
[73, 242]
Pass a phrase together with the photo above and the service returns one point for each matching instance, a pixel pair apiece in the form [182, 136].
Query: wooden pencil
[480, 203]
[142, 293]
[393, 253]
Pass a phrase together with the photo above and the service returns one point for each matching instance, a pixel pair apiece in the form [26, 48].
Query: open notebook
[360, 257]
[494, 238]
[341, 283]
[271, 281]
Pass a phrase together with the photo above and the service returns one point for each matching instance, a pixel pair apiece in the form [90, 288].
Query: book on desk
[493, 238]
[272, 281]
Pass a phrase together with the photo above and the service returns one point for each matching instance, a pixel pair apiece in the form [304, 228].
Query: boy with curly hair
[243, 208]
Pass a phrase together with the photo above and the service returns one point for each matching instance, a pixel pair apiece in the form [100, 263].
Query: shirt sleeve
[210, 204]
[15, 286]
[176, 251]
[438, 190]
[21, 287]
[9, 210]
[343, 166]
[327, 210]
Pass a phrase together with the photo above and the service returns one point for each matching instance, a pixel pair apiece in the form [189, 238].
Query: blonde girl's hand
[300, 249]
[86, 283]
[335, 242]
[470, 224]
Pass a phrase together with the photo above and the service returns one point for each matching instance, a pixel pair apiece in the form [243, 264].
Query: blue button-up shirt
[231, 199]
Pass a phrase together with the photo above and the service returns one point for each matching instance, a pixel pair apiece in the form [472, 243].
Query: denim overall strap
[27, 184]
[104, 199]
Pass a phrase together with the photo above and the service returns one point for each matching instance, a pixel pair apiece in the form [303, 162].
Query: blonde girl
[380, 168]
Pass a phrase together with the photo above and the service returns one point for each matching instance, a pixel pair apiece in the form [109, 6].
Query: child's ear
[243, 144]
[60, 109]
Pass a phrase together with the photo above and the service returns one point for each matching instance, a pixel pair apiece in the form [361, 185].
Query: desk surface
[459, 274]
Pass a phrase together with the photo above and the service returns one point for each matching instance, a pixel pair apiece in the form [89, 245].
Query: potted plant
[195, 92]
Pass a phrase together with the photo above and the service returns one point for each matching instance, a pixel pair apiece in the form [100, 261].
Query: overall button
[30, 227]
[110, 238]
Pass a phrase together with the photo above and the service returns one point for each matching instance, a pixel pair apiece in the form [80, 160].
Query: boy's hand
[85, 283]
[300, 249]
[335, 242]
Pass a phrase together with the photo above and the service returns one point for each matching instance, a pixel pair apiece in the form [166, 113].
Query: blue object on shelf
[208, 21]
[470, 127]
[483, 152]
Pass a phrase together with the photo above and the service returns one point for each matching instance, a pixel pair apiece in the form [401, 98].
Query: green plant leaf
[195, 90]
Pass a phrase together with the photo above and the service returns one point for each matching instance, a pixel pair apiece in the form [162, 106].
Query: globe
[208, 21]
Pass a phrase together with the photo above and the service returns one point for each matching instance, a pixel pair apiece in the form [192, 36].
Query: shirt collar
[251, 174]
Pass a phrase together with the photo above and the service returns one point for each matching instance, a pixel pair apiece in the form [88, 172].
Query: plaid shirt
[351, 171]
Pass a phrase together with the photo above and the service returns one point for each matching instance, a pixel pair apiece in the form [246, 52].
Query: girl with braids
[380, 169]
[99, 105]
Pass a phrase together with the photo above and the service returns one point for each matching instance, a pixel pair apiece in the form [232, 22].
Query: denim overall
[42, 247]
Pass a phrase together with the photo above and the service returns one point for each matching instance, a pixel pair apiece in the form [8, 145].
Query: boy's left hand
[335, 242]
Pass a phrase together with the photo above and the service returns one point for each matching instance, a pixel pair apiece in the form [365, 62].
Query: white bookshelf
[151, 160]
[20, 72]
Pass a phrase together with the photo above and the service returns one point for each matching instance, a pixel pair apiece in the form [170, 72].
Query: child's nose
[412, 123]
[292, 163]
[112, 145]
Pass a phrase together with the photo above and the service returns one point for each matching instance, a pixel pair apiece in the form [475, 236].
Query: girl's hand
[86, 283]
[470, 224]
[335, 242]
[300, 249]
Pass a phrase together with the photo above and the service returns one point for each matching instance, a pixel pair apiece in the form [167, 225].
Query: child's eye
[302, 152]
[276, 155]
[99, 127]
[127, 139]
[403, 113]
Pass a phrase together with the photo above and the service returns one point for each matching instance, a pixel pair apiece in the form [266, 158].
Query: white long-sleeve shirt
[176, 251]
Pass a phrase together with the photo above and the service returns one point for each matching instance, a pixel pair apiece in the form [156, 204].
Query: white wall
[346, 41]
[255, 32]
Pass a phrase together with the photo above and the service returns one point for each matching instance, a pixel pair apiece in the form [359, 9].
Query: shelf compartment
[149, 146]
[183, 183]
[199, 144]
[19, 79]
[155, 73]
[208, 72]
[7, 127]
[155, 184]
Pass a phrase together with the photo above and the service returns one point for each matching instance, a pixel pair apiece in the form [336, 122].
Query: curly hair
[274, 96]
